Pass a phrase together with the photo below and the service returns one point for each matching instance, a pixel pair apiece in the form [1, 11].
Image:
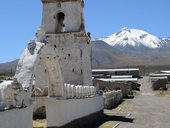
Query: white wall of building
[61, 112]
[17, 118]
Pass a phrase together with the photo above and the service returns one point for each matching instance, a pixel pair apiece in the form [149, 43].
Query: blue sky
[20, 19]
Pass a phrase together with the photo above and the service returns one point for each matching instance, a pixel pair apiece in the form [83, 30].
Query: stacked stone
[112, 98]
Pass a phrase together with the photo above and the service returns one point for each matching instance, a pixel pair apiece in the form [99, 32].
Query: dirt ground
[149, 110]
[39, 123]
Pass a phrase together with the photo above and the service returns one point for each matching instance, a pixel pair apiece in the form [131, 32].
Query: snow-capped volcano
[130, 47]
[133, 37]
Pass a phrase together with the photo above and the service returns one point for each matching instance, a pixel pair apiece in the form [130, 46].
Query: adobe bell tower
[63, 28]
[67, 14]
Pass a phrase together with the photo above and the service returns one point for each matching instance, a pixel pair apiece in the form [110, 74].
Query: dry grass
[39, 123]
[164, 93]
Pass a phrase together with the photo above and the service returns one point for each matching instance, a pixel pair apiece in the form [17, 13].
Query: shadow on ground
[108, 118]
[129, 97]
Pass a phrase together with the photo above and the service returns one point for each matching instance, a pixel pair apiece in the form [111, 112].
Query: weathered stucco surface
[26, 64]
[69, 110]
[73, 52]
[73, 16]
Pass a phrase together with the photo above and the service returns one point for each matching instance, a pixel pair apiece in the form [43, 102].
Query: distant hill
[103, 55]
[9, 67]
[135, 48]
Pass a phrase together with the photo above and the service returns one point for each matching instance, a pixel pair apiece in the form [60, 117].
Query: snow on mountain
[166, 42]
[133, 37]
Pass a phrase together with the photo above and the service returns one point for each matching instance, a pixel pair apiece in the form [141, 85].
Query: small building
[166, 72]
[126, 87]
[121, 76]
[120, 80]
[160, 75]
[112, 72]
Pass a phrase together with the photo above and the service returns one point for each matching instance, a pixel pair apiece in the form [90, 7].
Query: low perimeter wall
[112, 99]
[62, 112]
[17, 118]
[159, 84]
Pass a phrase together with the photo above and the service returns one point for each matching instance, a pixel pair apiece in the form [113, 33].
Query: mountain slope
[105, 55]
[140, 48]
[9, 67]
[111, 57]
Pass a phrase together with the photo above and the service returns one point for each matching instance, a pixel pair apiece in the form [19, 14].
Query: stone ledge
[76, 34]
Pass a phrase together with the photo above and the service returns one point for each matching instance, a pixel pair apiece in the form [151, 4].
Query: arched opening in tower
[60, 26]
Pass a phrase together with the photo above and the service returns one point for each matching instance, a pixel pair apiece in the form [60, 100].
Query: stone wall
[159, 84]
[125, 87]
[113, 98]
[70, 92]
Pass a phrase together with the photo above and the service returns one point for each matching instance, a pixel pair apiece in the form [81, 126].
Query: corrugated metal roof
[155, 78]
[115, 70]
[159, 74]
[126, 79]
[168, 72]
[122, 76]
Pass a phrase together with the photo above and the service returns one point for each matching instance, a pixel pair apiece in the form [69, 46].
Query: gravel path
[149, 110]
